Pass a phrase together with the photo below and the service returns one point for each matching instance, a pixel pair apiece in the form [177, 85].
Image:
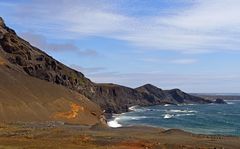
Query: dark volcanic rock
[213, 97]
[111, 97]
[36, 63]
[2, 24]
[174, 96]
[115, 98]
[182, 97]
[220, 101]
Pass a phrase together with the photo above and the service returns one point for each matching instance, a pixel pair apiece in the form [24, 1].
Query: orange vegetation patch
[2, 62]
[72, 114]
[85, 138]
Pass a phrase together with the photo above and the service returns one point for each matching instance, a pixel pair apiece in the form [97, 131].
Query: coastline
[124, 120]
[113, 120]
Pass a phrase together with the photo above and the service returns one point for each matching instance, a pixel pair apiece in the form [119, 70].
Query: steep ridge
[34, 62]
[112, 98]
[174, 96]
[116, 99]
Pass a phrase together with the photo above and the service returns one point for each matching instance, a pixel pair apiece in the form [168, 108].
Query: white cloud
[184, 61]
[205, 26]
[41, 42]
[88, 70]
[171, 61]
[188, 82]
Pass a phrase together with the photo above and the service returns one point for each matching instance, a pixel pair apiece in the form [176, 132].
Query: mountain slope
[174, 96]
[24, 98]
[31, 61]
[34, 62]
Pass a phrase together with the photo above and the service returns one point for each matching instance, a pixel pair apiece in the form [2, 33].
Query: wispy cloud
[169, 60]
[188, 82]
[184, 61]
[41, 42]
[204, 26]
[88, 70]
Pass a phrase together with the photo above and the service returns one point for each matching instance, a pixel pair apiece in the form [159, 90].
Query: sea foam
[114, 123]
[137, 109]
[166, 105]
[132, 108]
[181, 111]
[167, 116]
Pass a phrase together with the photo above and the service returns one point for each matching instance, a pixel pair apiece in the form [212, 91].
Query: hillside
[31, 61]
[174, 96]
[24, 98]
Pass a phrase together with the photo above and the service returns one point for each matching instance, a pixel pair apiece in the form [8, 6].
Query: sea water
[221, 119]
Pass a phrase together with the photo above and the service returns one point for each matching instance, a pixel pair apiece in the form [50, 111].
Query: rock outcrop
[219, 101]
[174, 96]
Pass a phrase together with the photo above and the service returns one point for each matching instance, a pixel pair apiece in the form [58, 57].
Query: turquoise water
[204, 119]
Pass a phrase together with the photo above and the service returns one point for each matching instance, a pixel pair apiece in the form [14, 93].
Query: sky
[193, 45]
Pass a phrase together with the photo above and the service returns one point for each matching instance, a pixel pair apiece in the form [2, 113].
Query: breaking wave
[137, 109]
[132, 108]
[132, 117]
[167, 116]
[166, 105]
[181, 111]
[114, 123]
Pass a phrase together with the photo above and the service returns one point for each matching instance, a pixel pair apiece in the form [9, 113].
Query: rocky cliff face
[174, 96]
[35, 62]
[116, 99]
[30, 60]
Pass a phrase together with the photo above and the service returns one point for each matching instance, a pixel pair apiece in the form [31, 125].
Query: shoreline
[113, 123]
[113, 119]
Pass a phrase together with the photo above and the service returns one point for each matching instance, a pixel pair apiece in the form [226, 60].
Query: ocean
[223, 119]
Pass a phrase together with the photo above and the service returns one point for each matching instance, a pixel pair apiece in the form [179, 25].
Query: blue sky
[193, 45]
